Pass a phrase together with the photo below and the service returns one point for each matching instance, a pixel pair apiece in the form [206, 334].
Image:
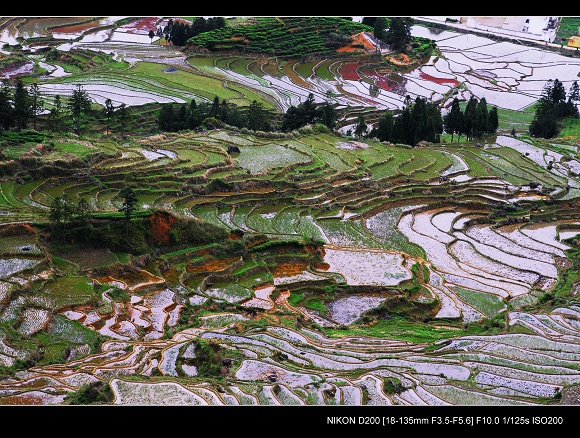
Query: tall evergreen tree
[55, 117]
[574, 93]
[180, 33]
[386, 123]
[193, 115]
[167, 31]
[215, 107]
[397, 134]
[361, 126]
[493, 120]
[309, 109]
[6, 112]
[468, 127]
[293, 119]
[407, 127]
[436, 122]
[419, 121]
[109, 110]
[545, 122]
[256, 116]
[398, 35]
[79, 105]
[480, 125]
[22, 111]
[328, 115]
[36, 103]
[380, 27]
[167, 116]
[454, 119]
[369, 21]
[128, 206]
[574, 99]
[550, 109]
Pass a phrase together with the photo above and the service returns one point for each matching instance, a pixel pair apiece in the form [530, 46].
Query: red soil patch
[380, 81]
[430, 78]
[348, 71]
[143, 25]
[160, 227]
[75, 28]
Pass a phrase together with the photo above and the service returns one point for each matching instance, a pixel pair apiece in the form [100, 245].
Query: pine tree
[109, 110]
[360, 127]
[493, 120]
[550, 109]
[6, 112]
[129, 204]
[454, 120]
[398, 35]
[55, 116]
[469, 116]
[481, 122]
[384, 131]
[21, 105]
[574, 99]
[419, 120]
[36, 102]
[328, 115]
[79, 104]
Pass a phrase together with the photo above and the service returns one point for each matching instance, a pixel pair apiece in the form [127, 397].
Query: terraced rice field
[385, 238]
[372, 274]
[508, 75]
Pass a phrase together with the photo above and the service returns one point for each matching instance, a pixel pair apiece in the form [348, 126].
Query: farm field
[312, 269]
[510, 76]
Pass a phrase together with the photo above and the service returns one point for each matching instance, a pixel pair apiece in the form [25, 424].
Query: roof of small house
[574, 41]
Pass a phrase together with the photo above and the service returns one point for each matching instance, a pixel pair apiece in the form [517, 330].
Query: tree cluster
[553, 107]
[394, 31]
[309, 113]
[178, 32]
[474, 122]
[176, 117]
[419, 121]
[18, 105]
[63, 212]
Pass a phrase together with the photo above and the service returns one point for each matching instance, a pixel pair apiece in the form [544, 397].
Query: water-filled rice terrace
[114, 58]
[352, 273]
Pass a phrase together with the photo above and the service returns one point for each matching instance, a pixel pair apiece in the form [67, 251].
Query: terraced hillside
[312, 269]
[309, 268]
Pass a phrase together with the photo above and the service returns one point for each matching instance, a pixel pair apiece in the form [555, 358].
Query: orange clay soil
[357, 40]
[212, 265]
[400, 59]
[288, 269]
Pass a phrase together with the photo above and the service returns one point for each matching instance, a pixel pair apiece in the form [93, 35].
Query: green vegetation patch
[85, 257]
[402, 329]
[79, 149]
[65, 291]
[258, 159]
[488, 304]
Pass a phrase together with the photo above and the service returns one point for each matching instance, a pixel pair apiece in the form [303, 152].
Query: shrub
[91, 393]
